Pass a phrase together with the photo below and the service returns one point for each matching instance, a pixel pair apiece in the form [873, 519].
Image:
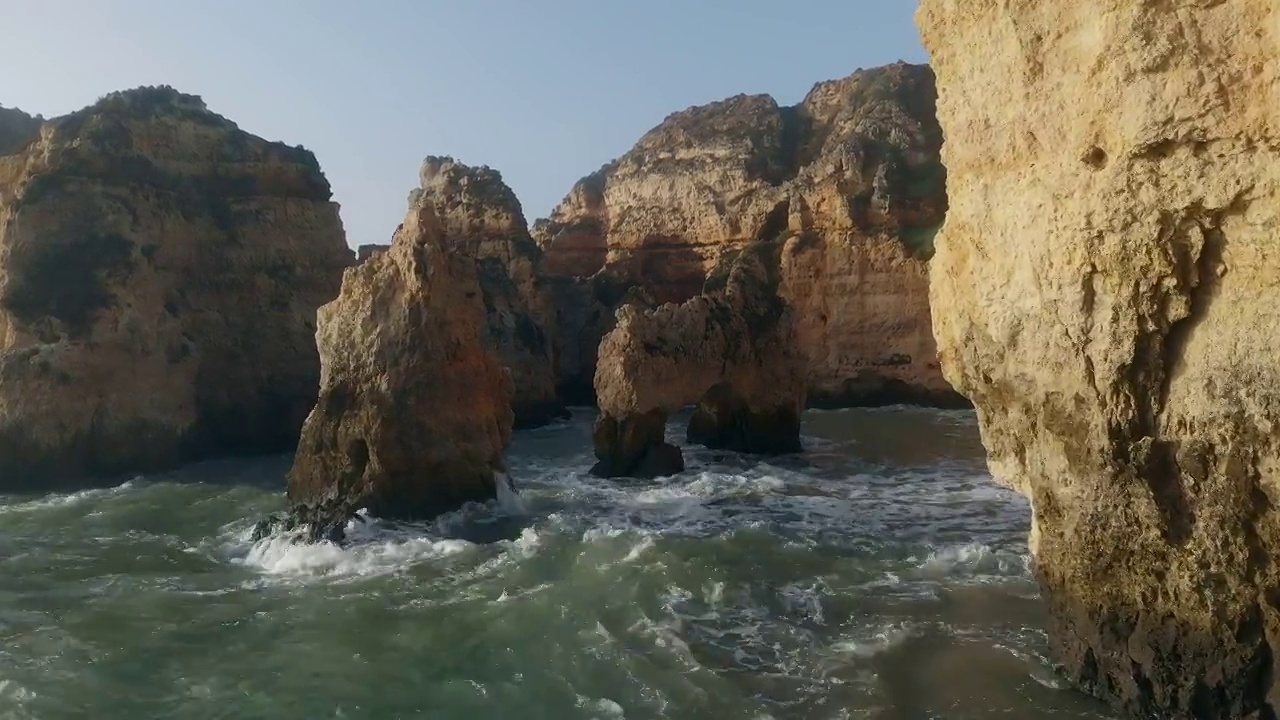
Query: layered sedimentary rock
[850, 178]
[732, 351]
[483, 220]
[160, 270]
[414, 410]
[1107, 292]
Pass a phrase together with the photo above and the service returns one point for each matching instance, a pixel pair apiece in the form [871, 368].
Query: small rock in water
[264, 528]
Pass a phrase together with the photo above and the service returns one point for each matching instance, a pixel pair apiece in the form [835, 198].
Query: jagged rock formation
[364, 252]
[732, 350]
[585, 310]
[1106, 292]
[17, 129]
[414, 410]
[850, 179]
[482, 219]
[160, 270]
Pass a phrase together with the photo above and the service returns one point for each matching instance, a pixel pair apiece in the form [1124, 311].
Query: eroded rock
[364, 252]
[17, 129]
[482, 219]
[160, 270]
[415, 409]
[732, 350]
[1106, 292]
[850, 179]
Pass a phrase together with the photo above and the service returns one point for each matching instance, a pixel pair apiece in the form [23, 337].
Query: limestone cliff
[160, 270]
[1107, 292]
[850, 178]
[17, 129]
[732, 351]
[414, 410]
[483, 220]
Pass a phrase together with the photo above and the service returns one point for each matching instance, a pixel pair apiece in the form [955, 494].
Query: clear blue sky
[545, 91]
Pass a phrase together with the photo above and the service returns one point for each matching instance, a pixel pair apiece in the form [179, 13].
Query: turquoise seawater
[880, 574]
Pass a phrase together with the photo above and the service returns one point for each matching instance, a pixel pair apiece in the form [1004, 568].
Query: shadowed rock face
[1107, 292]
[414, 410]
[732, 350]
[364, 252]
[849, 179]
[482, 219]
[17, 129]
[160, 270]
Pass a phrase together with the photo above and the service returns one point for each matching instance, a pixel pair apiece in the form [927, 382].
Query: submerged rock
[482, 219]
[732, 350]
[160, 270]
[849, 179]
[1105, 291]
[414, 411]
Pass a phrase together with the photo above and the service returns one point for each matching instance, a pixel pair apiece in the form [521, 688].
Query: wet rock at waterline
[732, 350]
[160, 271]
[1105, 291]
[415, 410]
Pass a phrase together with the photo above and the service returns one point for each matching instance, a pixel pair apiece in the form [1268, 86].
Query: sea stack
[732, 351]
[160, 270]
[415, 408]
[482, 220]
[850, 184]
[1106, 291]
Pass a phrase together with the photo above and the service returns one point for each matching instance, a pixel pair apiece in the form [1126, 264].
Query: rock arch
[731, 350]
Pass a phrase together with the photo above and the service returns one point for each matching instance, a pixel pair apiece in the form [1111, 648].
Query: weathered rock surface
[483, 220]
[1107, 292]
[17, 129]
[160, 270]
[850, 178]
[414, 410]
[731, 350]
[364, 252]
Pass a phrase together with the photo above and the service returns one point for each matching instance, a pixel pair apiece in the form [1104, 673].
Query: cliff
[414, 410]
[160, 270]
[17, 129]
[850, 179]
[1107, 292]
[731, 350]
[482, 220]
[364, 252]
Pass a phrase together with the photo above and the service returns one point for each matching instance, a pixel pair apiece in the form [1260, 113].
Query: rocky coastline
[1085, 260]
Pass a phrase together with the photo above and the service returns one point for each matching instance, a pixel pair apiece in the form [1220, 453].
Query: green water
[879, 575]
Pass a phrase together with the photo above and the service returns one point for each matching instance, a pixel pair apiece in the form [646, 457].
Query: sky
[545, 91]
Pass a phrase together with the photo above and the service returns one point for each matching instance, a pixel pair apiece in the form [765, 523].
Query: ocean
[880, 574]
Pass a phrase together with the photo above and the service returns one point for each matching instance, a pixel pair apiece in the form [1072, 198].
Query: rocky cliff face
[160, 270]
[364, 252]
[850, 178]
[1107, 292]
[17, 129]
[414, 410]
[732, 351]
[482, 220]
